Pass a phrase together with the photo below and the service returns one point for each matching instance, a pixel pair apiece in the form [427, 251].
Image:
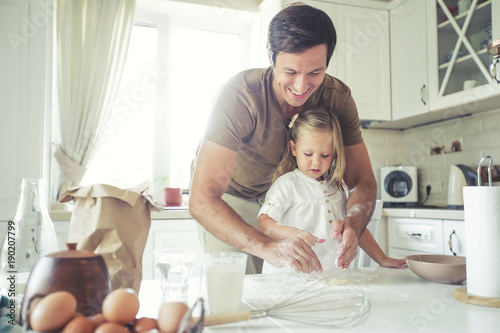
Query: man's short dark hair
[299, 27]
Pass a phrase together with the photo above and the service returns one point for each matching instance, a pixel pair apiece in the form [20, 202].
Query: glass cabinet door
[464, 32]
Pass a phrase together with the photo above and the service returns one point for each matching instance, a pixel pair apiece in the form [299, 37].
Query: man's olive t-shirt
[246, 118]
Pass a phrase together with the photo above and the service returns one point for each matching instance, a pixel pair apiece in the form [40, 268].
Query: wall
[479, 135]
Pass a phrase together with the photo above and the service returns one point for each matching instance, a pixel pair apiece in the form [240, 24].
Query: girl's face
[314, 153]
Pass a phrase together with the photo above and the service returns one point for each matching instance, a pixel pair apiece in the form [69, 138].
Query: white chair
[362, 259]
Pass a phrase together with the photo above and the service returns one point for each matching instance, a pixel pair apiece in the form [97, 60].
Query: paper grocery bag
[114, 223]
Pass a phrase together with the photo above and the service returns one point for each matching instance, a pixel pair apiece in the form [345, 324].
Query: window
[125, 153]
[173, 70]
[201, 61]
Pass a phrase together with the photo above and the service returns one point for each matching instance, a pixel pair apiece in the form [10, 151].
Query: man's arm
[362, 195]
[214, 168]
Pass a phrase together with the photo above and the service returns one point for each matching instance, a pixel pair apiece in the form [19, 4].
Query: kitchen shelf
[481, 16]
[455, 38]
[468, 62]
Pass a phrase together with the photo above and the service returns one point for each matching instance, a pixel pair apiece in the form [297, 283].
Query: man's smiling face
[298, 75]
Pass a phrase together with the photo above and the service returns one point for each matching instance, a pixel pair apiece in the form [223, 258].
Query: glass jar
[29, 235]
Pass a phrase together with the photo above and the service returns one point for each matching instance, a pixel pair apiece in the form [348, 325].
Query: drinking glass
[224, 273]
[173, 269]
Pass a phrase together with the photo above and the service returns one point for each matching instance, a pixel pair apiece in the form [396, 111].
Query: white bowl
[438, 268]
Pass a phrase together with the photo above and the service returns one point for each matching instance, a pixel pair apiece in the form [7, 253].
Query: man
[246, 136]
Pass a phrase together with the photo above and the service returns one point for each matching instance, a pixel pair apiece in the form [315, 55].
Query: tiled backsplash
[479, 136]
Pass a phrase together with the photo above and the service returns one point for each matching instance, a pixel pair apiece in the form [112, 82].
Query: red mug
[173, 196]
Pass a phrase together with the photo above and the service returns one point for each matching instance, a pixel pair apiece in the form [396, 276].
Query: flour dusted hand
[348, 244]
[297, 253]
[311, 240]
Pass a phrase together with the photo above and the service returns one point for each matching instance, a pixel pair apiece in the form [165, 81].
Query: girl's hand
[393, 263]
[348, 243]
[310, 239]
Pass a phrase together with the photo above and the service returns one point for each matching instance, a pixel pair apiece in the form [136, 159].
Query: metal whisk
[314, 306]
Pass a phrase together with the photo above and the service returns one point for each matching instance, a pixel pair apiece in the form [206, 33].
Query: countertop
[181, 212]
[400, 302]
[169, 213]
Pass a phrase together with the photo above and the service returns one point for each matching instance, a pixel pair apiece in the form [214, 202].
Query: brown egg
[121, 306]
[170, 316]
[144, 324]
[79, 324]
[111, 328]
[53, 312]
[98, 319]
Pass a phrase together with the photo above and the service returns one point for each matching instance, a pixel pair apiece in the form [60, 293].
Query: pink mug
[173, 196]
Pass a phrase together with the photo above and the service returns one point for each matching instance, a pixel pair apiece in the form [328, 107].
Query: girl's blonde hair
[313, 120]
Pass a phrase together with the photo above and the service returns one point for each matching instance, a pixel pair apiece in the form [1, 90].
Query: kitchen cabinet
[409, 77]
[362, 56]
[408, 236]
[458, 58]
[25, 64]
[433, 57]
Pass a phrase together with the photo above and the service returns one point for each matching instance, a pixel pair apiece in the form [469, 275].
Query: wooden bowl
[438, 268]
[82, 273]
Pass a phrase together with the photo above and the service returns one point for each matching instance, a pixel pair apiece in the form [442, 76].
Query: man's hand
[296, 252]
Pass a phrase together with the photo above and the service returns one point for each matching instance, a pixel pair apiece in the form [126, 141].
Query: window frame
[166, 15]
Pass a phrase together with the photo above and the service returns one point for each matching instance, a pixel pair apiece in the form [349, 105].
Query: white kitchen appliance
[460, 176]
[399, 186]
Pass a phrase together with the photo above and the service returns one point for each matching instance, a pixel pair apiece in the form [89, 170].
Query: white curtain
[92, 39]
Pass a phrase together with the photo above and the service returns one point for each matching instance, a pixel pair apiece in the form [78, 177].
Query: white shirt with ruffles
[305, 203]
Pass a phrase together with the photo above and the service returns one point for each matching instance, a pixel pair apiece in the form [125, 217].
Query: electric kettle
[460, 176]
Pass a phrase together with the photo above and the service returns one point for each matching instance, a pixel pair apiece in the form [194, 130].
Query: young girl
[308, 194]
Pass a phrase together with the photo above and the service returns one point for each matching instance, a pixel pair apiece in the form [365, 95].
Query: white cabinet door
[454, 237]
[24, 85]
[363, 55]
[409, 60]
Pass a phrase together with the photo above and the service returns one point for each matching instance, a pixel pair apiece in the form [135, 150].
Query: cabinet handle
[415, 234]
[450, 243]
[493, 70]
[422, 94]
